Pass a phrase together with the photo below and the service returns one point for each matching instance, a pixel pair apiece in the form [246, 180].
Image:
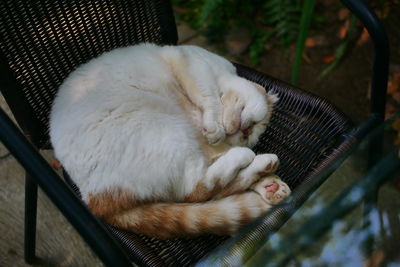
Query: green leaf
[305, 21]
[257, 46]
[207, 10]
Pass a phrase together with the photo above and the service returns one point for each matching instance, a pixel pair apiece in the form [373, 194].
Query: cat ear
[272, 98]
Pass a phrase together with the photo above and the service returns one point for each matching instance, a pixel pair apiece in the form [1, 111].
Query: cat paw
[226, 168]
[262, 165]
[272, 189]
[233, 105]
[266, 164]
[214, 133]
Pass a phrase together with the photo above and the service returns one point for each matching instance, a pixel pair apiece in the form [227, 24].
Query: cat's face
[246, 113]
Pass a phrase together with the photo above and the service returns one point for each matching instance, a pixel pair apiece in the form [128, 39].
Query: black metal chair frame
[24, 148]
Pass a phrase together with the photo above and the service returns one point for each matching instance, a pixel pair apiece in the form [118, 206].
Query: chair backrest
[41, 42]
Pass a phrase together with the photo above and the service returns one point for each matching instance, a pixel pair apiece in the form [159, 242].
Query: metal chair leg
[375, 148]
[31, 189]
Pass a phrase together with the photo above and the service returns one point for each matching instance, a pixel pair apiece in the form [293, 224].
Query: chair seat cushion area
[304, 132]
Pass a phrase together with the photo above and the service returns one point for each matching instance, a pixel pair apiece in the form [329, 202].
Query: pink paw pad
[272, 187]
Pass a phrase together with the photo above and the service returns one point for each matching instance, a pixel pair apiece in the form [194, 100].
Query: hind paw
[267, 164]
[272, 189]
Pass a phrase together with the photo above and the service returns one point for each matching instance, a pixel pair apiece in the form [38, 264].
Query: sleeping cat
[157, 139]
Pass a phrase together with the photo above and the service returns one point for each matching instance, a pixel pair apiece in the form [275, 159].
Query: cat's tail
[165, 220]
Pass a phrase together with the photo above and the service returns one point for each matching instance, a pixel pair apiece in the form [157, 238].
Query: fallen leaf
[383, 13]
[55, 164]
[317, 40]
[343, 30]
[396, 96]
[328, 3]
[394, 83]
[396, 124]
[343, 13]
[310, 42]
[390, 110]
[363, 37]
[386, 9]
[328, 59]
[392, 87]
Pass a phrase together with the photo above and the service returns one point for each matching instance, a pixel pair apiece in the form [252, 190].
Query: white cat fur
[133, 117]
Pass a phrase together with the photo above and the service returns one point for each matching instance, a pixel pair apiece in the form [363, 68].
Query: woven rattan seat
[41, 42]
[304, 131]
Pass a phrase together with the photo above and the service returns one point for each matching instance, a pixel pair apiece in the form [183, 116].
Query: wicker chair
[41, 42]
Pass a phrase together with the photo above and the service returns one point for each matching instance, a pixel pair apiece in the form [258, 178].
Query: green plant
[280, 22]
[257, 46]
[188, 11]
[217, 16]
[283, 16]
[267, 19]
[305, 21]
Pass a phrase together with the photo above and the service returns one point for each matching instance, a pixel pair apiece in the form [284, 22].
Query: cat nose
[248, 131]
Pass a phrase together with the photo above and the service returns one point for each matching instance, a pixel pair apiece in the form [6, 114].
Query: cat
[157, 138]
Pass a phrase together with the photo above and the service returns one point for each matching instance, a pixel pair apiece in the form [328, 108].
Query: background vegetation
[276, 22]
[315, 35]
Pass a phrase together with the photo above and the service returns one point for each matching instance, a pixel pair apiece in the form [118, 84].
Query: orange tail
[165, 220]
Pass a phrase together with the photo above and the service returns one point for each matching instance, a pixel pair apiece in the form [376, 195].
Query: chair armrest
[73, 209]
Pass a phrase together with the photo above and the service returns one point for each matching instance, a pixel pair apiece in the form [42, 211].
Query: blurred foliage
[341, 49]
[305, 22]
[265, 19]
[282, 20]
[274, 22]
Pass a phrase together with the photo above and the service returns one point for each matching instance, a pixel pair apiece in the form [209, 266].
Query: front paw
[272, 189]
[233, 105]
[214, 133]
